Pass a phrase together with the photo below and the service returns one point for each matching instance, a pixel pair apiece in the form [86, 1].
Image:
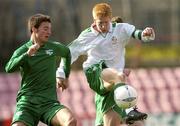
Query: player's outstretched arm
[145, 35]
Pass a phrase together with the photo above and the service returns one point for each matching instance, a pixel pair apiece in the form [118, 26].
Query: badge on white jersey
[114, 40]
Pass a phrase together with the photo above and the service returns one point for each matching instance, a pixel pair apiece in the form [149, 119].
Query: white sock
[128, 110]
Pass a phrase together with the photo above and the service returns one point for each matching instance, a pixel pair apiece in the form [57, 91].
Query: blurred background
[155, 66]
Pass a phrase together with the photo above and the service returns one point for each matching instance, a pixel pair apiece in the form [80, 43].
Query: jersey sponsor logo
[49, 52]
[114, 40]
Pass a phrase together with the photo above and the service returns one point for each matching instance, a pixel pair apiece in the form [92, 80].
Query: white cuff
[60, 73]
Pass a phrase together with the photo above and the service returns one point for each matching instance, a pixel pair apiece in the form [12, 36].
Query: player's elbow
[8, 69]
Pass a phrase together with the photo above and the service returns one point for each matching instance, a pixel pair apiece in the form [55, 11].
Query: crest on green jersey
[49, 52]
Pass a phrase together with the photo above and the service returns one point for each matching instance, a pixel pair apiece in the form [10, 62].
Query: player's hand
[62, 83]
[33, 49]
[148, 34]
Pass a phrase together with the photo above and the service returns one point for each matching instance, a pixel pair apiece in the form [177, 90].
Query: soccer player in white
[104, 44]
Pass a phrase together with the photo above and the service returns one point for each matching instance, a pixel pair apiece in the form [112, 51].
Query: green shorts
[104, 100]
[31, 113]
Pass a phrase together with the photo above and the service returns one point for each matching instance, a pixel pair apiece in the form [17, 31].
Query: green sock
[118, 85]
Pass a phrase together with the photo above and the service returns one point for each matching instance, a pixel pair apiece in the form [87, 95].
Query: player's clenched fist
[148, 34]
[32, 50]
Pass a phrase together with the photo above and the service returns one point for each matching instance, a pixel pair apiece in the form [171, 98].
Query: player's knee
[108, 75]
[121, 77]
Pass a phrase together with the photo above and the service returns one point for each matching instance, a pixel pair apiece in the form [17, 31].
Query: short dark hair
[36, 20]
[117, 19]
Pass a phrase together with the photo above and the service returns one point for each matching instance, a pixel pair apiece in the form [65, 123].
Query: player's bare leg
[137, 123]
[111, 118]
[110, 78]
[64, 117]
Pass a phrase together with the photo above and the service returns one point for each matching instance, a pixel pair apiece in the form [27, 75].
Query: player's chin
[104, 31]
[45, 39]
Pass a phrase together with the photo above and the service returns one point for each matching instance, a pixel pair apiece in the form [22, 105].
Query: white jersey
[108, 47]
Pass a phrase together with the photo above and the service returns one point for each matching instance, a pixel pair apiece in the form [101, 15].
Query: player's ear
[34, 29]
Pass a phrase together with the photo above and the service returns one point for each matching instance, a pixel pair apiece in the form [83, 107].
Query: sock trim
[118, 85]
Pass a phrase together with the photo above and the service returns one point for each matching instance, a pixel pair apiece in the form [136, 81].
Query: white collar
[96, 32]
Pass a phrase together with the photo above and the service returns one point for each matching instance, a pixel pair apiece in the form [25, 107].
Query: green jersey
[38, 82]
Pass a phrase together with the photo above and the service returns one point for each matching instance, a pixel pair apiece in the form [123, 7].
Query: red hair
[102, 10]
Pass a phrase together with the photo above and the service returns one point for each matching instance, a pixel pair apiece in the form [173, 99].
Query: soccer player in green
[36, 60]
